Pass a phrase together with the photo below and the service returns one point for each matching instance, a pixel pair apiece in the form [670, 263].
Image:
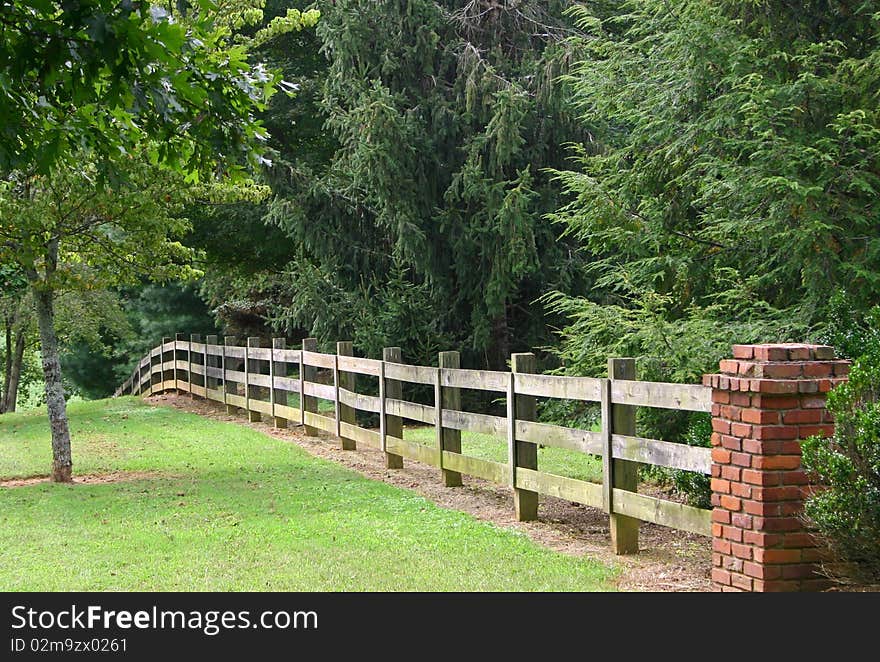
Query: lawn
[229, 508]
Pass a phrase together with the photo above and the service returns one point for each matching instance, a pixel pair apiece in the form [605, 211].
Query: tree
[95, 97]
[411, 168]
[731, 187]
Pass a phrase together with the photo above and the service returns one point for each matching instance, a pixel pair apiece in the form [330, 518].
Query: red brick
[780, 524]
[762, 509]
[741, 459]
[722, 397]
[741, 581]
[791, 508]
[823, 352]
[796, 477]
[777, 555]
[717, 560]
[813, 402]
[760, 416]
[776, 401]
[774, 386]
[721, 576]
[741, 399]
[733, 564]
[720, 456]
[818, 369]
[741, 430]
[731, 503]
[741, 551]
[816, 430]
[743, 351]
[721, 426]
[732, 533]
[823, 386]
[716, 470]
[719, 485]
[729, 366]
[742, 521]
[775, 586]
[777, 462]
[762, 432]
[741, 490]
[760, 477]
[731, 473]
[717, 530]
[770, 353]
[779, 370]
[760, 571]
[799, 571]
[720, 515]
[761, 538]
[731, 443]
[721, 546]
[715, 439]
[800, 353]
[731, 413]
[715, 499]
[801, 416]
[842, 368]
[777, 493]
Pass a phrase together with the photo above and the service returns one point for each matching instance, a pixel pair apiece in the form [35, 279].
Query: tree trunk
[61, 461]
[500, 342]
[14, 374]
[7, 373]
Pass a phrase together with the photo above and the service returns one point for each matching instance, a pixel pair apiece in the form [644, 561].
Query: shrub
[846, 512]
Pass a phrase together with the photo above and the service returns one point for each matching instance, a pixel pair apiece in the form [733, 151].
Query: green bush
[847, 511]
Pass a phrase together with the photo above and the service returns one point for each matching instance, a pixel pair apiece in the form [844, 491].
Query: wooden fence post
[450, 398]
[346, 380]
[178, 337]
[228, 341]
[525, 454]
[308, 373]
[278, 369]
[211, 361]
[619, 474]
[392, 389]
[251, 391]
[193, 338]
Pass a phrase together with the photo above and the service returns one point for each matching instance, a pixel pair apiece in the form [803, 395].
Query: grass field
[229, 508]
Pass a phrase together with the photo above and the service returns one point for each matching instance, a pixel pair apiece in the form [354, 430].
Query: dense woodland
[646, 178]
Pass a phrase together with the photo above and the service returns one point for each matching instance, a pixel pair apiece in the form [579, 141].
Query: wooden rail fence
[258, 380]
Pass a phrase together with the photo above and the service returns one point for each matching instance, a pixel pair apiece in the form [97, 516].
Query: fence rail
[260, 379]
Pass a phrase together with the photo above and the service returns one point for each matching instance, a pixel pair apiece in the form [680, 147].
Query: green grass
[488, 447]
[233, 509]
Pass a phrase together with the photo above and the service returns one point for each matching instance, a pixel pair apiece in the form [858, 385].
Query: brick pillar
[764, 402]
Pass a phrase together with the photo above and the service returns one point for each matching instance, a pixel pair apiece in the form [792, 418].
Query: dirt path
[670, 560]
[85, 479]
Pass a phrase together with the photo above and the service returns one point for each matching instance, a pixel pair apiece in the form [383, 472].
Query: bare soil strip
[86, 479]
[670, 560]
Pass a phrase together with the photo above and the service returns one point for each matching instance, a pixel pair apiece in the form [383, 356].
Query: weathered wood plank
[198, 347]
[571, 489]
[287, 355]
[667, 513]
[216, 373]
[557, 436]
[290, 384]
[482, 423]
[214, 394]
[234, 352]
[691, 397]
[259, 353]
[559, 386]
[318, 360]
[411, 410]
[484, 380]
[359, 434]
[237, 376]
[236, 400]
[197, 369]
[321, 422]
[662, 453]
[324, 391]
[413, 374]
[257, 379]
[214, 350]
[359, 365]
[260, 406]
[475, 466]
[288, 413]
[413, 451]
[359, 400]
